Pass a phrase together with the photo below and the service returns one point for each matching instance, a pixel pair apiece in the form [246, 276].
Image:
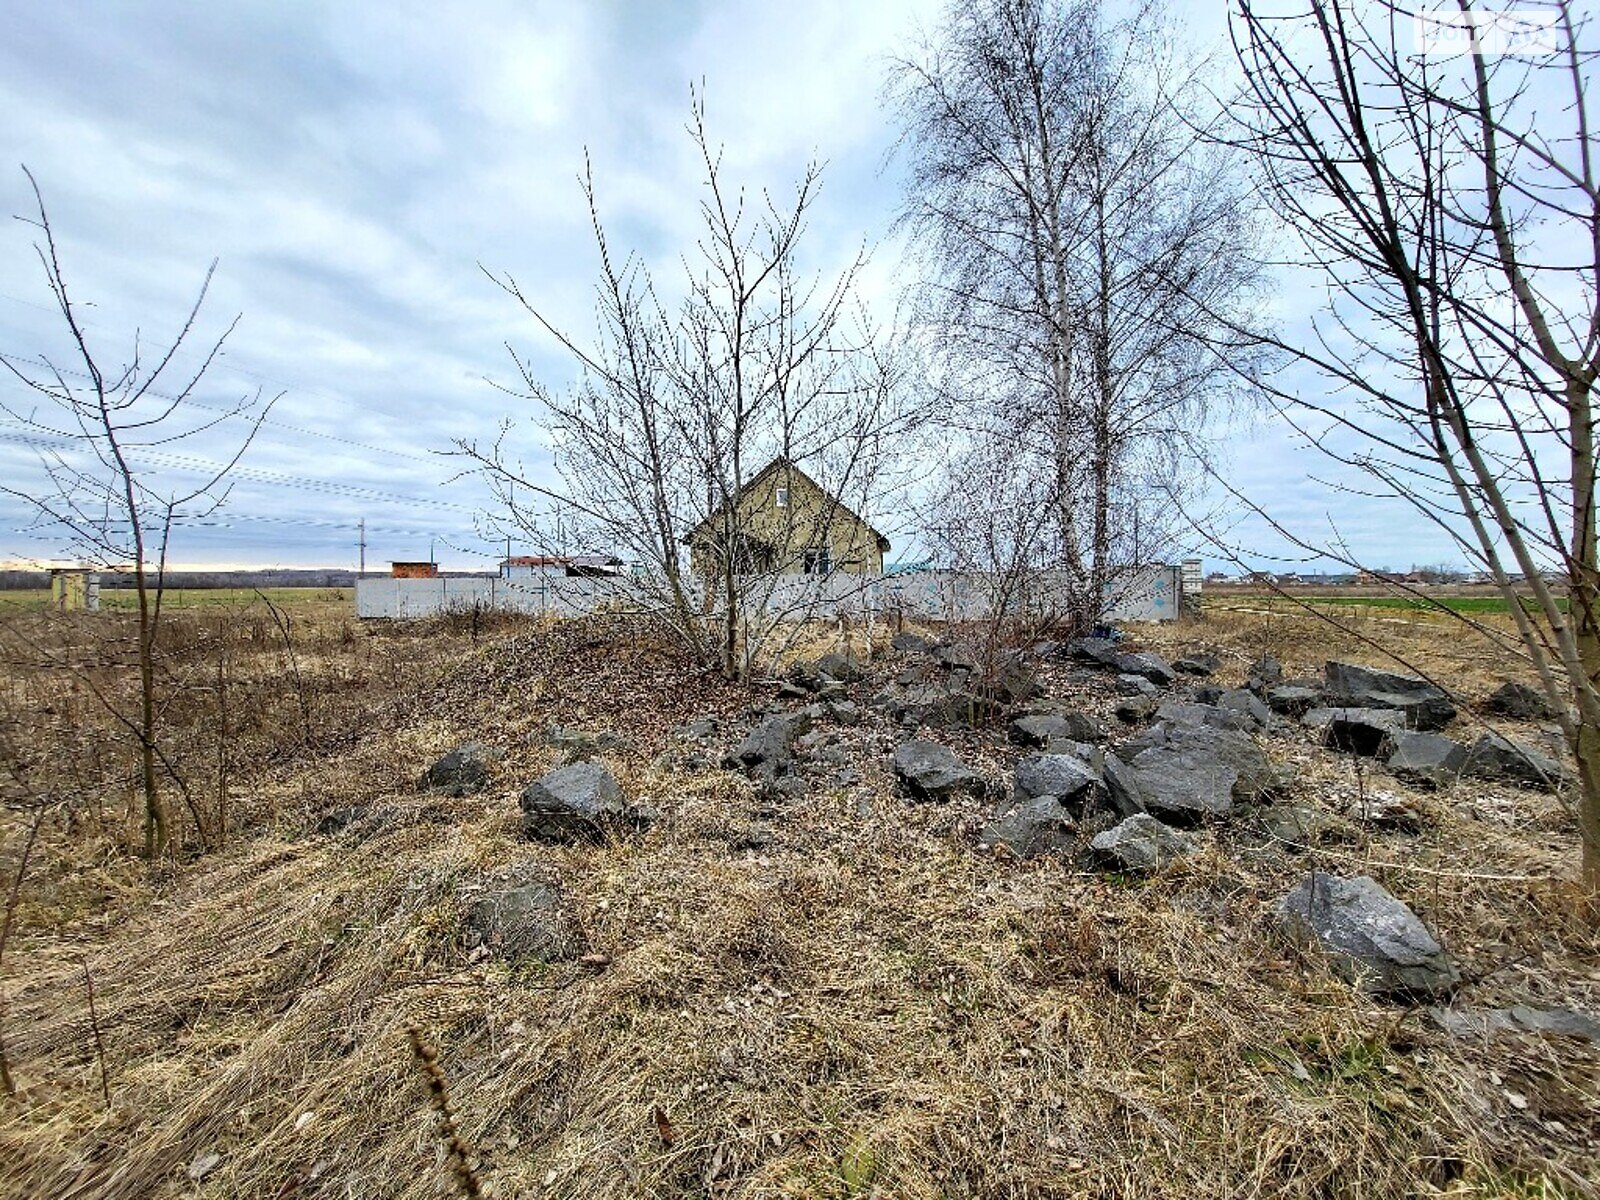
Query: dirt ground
[857, 1002]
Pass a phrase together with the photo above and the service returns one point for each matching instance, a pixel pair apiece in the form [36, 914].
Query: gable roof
[759, 476]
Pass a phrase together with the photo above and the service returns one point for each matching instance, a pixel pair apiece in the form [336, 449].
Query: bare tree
[93, 424]
[682, 408]
[1079, 235]
[1449, 208]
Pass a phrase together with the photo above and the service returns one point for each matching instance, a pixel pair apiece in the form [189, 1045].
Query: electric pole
[363, 545]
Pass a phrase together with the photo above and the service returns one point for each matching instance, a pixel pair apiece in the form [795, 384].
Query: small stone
[462, 772]
[1030, 828]
[204, 1165]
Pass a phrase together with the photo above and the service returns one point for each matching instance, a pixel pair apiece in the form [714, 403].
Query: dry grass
[866, 1006]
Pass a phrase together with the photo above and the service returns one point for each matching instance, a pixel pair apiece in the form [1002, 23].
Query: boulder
[1494, 756]
[842, 666]
[1519, 1018]
[1425, 706]
[1040, 729]
[1294, 699]
[1069, 779]
[1364, 731]
[1266, 672]
[767, 751]
[521, 924]
[956, 658]
[1373, 939]
[1102, 652]
[1136, 685]
[360, 821]
[1135, 709]
[580, 800]
[1247, 706]
[1182, 712]
[1429, 759]
[1299, 825]
[1521, 702]
[843, 712]
[1203, 664]
[1029, 828]
[1188, 774]
[1148, 666]
[462, 772]
[911, 643]
[1139, 844]
[928, 771]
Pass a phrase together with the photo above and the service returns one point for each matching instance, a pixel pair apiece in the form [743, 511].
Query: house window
[819, 562]
[783, 497]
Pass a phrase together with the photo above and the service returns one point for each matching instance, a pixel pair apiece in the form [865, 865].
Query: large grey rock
[1294, 699]
[1521, 703]
[1183, 712]
[1136, 709]
[462, 772]
[1140, 843]
[1300, 825]
[1149, 666]
[1430, 759]
[842, 666]
[767, 751]
[911, 643]
[1373, 939]
[1200, 663]
[1135, 685]
[1496, 757]
[1246, 705]
[1187, 774]
[1031, 827]
[522, 923]
[1040, 729]
[1068, 778]
[931, 772]
[1265, 672]
[580, 800]
[1364, 731]
[1425, 706]
[1102, 652]
[1519, 1018]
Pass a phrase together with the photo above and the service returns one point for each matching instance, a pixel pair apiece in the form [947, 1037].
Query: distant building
[783, 522]
[74, 589]
[414, 570]
[544, 566]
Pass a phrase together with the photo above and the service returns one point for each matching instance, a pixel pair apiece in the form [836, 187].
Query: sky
[355, 167]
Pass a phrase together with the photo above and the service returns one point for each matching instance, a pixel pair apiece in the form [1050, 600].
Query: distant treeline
[320, 578]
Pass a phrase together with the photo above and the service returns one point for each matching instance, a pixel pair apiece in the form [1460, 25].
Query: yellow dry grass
[866, 1006]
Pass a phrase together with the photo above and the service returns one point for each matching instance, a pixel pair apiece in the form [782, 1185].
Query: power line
[331, 437]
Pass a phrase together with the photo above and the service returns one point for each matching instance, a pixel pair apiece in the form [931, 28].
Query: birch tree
[1078, 234]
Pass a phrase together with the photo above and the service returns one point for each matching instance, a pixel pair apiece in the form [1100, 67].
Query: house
[541, 566]
[786, 523]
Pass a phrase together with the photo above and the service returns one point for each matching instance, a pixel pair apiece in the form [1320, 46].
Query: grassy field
[126, 598]
[836, 996]
[1480, 602]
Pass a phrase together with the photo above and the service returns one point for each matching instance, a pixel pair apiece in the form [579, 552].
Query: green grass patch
[1466, 605]
[126, 599]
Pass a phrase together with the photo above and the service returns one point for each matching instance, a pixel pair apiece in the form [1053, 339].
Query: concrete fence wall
[1152, 594]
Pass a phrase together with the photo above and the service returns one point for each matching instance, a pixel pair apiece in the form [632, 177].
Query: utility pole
[363, 544]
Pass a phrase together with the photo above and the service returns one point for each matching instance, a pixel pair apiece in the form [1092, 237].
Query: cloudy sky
[352, 164]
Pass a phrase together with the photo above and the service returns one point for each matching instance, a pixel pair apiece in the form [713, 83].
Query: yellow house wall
[801, 526]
